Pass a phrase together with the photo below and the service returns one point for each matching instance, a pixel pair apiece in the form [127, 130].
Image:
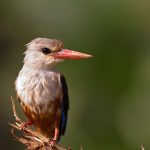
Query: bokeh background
[110, 93]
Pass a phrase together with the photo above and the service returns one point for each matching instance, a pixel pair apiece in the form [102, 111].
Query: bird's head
[45, 53]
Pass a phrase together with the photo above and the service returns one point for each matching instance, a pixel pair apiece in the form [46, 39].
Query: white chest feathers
[38, 88]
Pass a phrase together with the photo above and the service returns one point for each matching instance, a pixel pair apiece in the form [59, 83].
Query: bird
[41, 90]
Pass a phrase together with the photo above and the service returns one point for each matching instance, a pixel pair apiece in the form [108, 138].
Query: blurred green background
[110, 93]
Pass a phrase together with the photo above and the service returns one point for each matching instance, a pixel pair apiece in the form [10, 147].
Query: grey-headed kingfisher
[43, 92]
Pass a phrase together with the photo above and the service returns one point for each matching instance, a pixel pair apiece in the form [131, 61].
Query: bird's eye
[46, 51]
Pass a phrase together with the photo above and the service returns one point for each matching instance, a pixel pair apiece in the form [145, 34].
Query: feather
[64, 106]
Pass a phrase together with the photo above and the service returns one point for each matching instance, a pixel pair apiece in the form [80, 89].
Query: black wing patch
[64, 106]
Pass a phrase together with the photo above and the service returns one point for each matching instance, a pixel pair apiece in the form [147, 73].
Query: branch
[142, 148]
[30, 138]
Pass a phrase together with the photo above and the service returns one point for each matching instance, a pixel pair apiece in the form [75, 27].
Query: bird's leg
[54, 140]
[56, 132]
[25, 125]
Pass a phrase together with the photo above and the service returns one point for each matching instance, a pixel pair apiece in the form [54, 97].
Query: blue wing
[64, 107]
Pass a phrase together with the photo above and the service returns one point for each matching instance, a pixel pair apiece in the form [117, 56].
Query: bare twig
[30, 138]
[142, 147]
[14, 111]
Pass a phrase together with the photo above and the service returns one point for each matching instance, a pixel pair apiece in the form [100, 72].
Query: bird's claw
[52, 142]
[25, 125]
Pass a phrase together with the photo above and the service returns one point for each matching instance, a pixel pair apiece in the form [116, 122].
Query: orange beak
[70, 54]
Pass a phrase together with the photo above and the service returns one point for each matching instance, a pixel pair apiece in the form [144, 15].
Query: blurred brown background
[110, 93]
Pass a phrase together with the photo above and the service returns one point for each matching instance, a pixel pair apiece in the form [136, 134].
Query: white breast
[37, 88]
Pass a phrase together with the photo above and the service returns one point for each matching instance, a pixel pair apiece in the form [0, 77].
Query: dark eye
[46, 51]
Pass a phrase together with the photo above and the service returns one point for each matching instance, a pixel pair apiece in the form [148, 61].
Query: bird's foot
[52, 142]
[25, 125]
